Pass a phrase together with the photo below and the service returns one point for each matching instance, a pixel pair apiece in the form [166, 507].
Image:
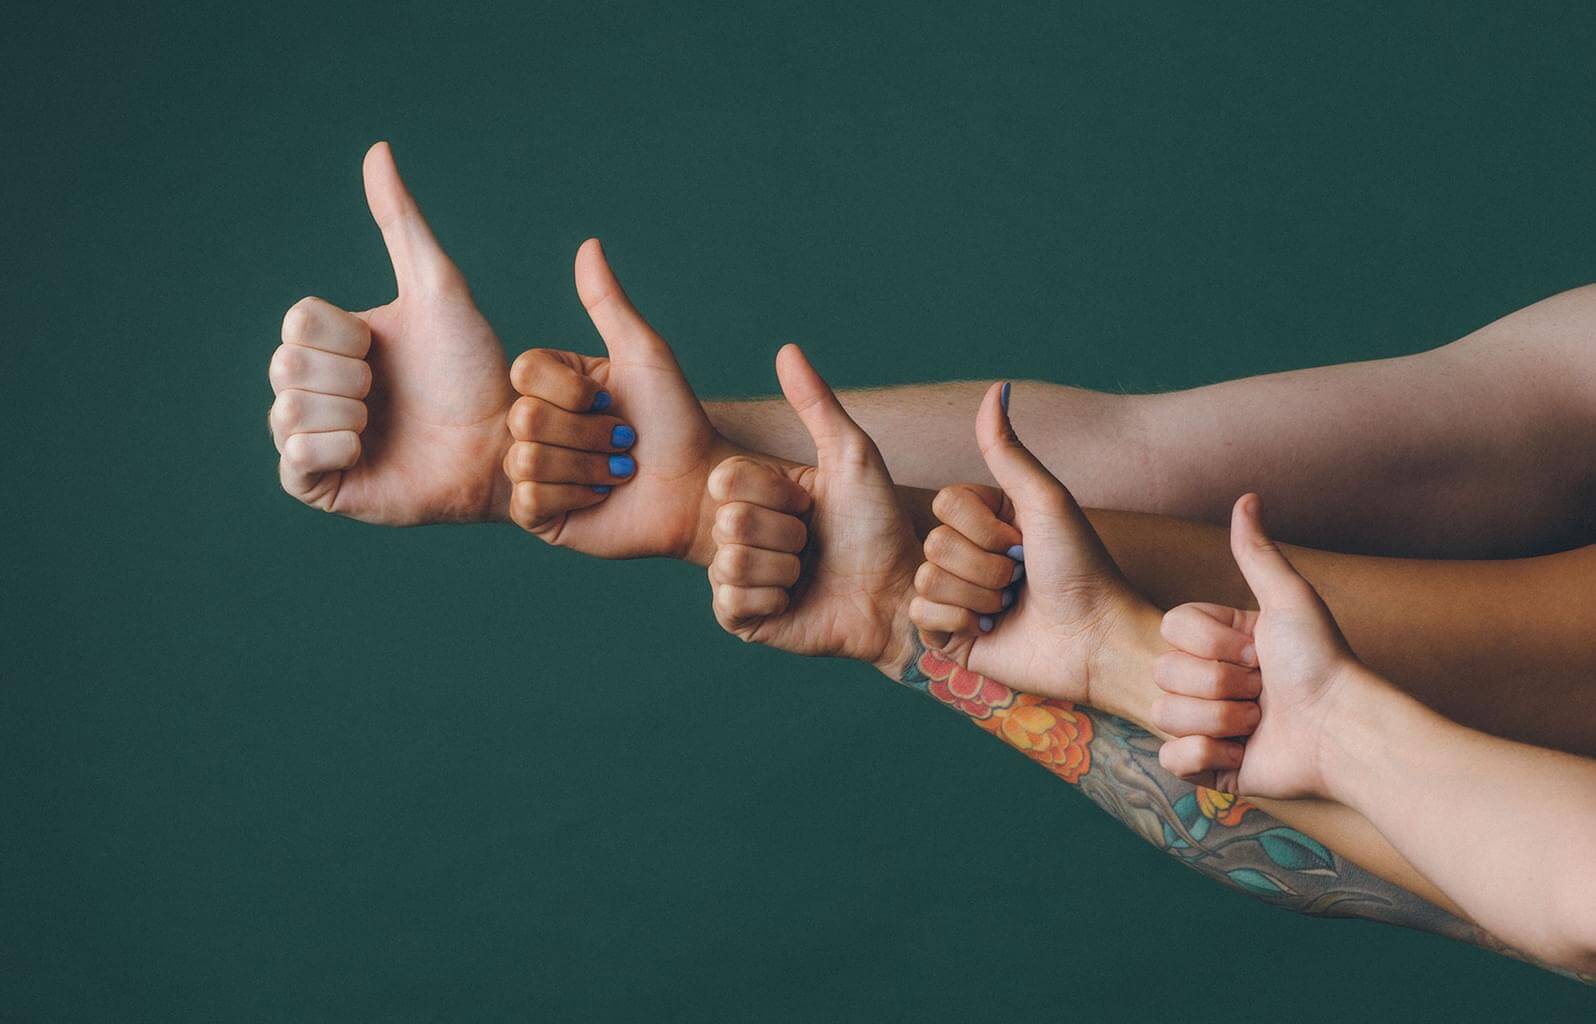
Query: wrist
[903, 638]
[1365, 721]
[1119, 673]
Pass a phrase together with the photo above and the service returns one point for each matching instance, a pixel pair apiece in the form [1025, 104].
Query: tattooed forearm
[1115, 764]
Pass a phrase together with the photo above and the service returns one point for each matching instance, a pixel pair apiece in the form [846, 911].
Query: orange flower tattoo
[1050, 732]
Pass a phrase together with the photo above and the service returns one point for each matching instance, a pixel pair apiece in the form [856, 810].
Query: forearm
[1482, 448]
[1507, 830]
[1234, 842]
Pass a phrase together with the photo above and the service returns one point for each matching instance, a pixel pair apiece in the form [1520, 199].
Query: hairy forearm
[1482, 448]
[1234, 842]
[1507, 830]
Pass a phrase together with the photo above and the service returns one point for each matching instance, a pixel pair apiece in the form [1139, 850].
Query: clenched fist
[395, 415]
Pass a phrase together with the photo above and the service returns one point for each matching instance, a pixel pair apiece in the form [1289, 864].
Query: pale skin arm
[1484, 448]
[1506, 830]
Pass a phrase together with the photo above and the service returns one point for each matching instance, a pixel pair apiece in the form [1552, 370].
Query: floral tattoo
[1115, 764]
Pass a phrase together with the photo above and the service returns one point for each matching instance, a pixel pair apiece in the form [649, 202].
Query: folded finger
[736, 606]
[550, 464]
[1195, 630]
[547, 374]
[317, 323]
[533, 419]
[975, 512]
[297, 412]
[1188, 716]
[532, 503]
[935, 583]
[740, 478]
[1179, 672]
[744, 566]
[960, 556]
[309, 369]
[1194, 757]
[308, 454]
[742, 522]
[934, 617]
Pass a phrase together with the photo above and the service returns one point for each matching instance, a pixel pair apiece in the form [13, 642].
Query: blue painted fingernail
[601, 401]
[622, 465]
[1019, 572]
[1008, 597]
[623, 436]
[1003, 396]
[986, 623]
[601, 488]
[1017, 552]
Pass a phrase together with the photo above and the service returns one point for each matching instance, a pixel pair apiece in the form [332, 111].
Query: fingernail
[622, 465]
[1008, 597]
[1249, 655]
[623, 436]
[1017, 552]
[1019, 572]
[601, 401]
[985, 623]
[601, 488]
[1003, 396]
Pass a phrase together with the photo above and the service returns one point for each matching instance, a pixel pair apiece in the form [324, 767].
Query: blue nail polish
[1003, 396]
[622, 465]
[623, 436]
[1008, 597]
[986, 623]
[601, 401]
[1019, 572]
[1017, 552]
[601, 488]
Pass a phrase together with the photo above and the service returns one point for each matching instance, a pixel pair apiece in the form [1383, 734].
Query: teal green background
[262, 764]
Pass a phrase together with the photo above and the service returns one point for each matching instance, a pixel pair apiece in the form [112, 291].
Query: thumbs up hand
[1061, 633]
[612, 454]
[837, 586]
[1251, 696]
[394, 415]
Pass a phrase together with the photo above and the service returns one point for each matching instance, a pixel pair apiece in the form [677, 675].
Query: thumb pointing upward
[1263, 565]
[839, 441]
[1040, 500]
[419, 262]
[627, 336]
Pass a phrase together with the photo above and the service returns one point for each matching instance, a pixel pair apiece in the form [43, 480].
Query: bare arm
[1482, 448]
[1507, 829]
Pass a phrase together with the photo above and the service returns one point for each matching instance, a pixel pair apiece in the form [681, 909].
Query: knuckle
[1159, 712]
[925, 577]
[523, 418]
[939, 544]
[299, 323]
[296, 450]
[288, 365]
[736, 522]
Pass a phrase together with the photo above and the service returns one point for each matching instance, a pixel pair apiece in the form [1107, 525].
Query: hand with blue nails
[1016, 584]
[838, 585]
[612, 454]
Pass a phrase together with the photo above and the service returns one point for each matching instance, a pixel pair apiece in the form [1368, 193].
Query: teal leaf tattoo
[1291, 849]
[1256, 881]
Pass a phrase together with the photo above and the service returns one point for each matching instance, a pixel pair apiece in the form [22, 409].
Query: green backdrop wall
[262, 764]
